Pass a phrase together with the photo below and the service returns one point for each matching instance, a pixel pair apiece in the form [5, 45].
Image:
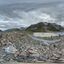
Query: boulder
[10, 49]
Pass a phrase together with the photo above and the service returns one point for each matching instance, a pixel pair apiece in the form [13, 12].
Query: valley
[27, 46]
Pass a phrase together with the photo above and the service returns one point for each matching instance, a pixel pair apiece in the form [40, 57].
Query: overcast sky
[21, 1]
[30, 12]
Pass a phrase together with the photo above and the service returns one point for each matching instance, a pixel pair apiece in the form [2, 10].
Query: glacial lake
[47, 34]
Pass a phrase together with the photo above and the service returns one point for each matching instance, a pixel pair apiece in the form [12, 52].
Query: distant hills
[39, 27]
[15, 29]
[45, 27]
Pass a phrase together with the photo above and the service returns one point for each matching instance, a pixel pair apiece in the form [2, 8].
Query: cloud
[14, 16]
[27, 18]
[35, 16]
[7, 24]
[3, 2]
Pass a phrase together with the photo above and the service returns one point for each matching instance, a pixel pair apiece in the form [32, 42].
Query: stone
[10, 49]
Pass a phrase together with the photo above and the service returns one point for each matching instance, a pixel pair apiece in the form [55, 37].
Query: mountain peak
[45, 27]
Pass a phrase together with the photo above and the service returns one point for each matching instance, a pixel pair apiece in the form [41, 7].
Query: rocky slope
[45, 27]
[27, 49]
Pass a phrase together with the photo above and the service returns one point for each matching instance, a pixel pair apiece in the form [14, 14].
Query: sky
[19, 13]
[21, 1]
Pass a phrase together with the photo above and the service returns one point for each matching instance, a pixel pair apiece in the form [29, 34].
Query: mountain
[39, 27]
[45, 27]
[15, 29]
[1, 31]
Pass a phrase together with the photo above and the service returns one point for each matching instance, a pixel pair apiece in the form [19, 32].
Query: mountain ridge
[38, 27]
[45, 27]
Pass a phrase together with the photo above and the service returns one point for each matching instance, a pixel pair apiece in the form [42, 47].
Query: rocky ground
[17, 46]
